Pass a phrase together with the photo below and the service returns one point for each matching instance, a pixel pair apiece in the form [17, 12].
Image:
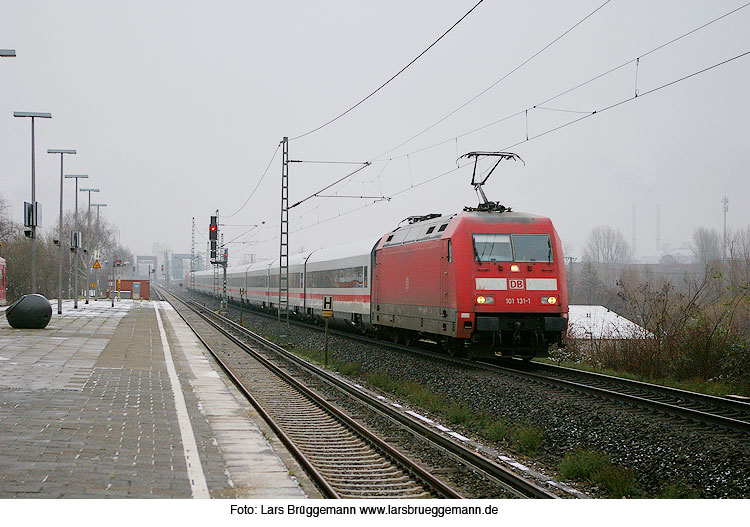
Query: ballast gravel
[660, 450]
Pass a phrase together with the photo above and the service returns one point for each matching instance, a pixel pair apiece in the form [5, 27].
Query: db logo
[515, 284]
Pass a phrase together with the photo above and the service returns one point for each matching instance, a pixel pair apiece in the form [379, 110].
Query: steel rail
[410, 465]
[502, 476]
[685, 411]
[326, 489]
[708, 417]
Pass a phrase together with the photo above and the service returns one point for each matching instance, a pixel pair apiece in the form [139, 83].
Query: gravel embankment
[660, 450]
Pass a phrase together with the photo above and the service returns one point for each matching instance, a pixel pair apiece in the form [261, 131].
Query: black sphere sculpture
[29, 312]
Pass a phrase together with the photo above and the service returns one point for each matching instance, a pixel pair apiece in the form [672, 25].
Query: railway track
[718, 411]
[710, 410]
[345, 459]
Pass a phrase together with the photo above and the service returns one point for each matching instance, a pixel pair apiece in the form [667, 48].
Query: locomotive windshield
[492, 248]
[532, 247]
[512, 248]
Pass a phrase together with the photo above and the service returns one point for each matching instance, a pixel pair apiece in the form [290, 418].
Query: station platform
[124, 402]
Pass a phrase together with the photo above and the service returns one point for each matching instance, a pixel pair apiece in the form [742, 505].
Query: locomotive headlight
[514, 268]
[485, 300]
[551, 300]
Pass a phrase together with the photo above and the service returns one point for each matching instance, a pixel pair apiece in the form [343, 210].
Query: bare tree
[706, 246]
[607, 245]
[16, 250]
[7, 227]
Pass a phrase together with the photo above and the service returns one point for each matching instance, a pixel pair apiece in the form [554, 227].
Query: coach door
[446, 270]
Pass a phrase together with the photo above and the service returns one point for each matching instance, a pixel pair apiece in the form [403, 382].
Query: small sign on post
[327, 306]
[327, 313]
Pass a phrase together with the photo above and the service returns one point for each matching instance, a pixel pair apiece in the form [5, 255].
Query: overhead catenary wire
[540, 105]
[258, 184]
[458, 109]
[634, 97]
[392, 78]
[501, 79]
[596, 112]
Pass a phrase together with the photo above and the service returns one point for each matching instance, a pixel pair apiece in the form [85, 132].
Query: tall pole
[111, 284]
[88, 240]
[284, 237]
[34, 215]
[98, 206]
[191, 282]
[88, 247]
[75, 256]
[76, 241]
[725, 202]
[60, 234]
[60, 244]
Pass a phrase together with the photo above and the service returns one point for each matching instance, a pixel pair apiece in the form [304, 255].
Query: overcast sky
[176, 108]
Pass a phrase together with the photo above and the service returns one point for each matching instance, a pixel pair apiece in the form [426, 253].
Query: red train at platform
[480, 283]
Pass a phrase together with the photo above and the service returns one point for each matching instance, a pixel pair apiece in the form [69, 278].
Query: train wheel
[469, 354]
[451, 348]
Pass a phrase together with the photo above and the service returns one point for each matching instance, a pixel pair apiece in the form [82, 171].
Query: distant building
[144, 264]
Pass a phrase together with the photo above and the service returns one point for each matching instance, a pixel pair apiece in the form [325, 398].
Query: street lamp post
[60, 235]
[34, 214]
[111, 284]
[77, 242]
[88, 240]
[98, 206]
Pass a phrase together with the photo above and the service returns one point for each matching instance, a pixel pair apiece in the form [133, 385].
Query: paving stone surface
[87, 410]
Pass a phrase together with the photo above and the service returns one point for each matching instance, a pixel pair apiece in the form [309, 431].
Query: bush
[595, 466]
[618, 481]
[497, 431]
[582, 464]
[679, 490]
[528, 439]
[699, 334]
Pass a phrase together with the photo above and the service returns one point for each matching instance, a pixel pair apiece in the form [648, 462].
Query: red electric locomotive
[482, 282]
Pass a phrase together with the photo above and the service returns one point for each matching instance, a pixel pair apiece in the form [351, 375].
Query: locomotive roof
[504, 217]
[434, 227]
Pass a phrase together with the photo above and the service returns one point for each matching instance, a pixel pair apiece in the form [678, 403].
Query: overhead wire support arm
[381, 198]
[317, 194]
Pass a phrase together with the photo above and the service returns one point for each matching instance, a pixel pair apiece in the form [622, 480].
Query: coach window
[492, 248]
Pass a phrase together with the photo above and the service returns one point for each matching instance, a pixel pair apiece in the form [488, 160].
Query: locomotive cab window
[532, 248]
[492, 248]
